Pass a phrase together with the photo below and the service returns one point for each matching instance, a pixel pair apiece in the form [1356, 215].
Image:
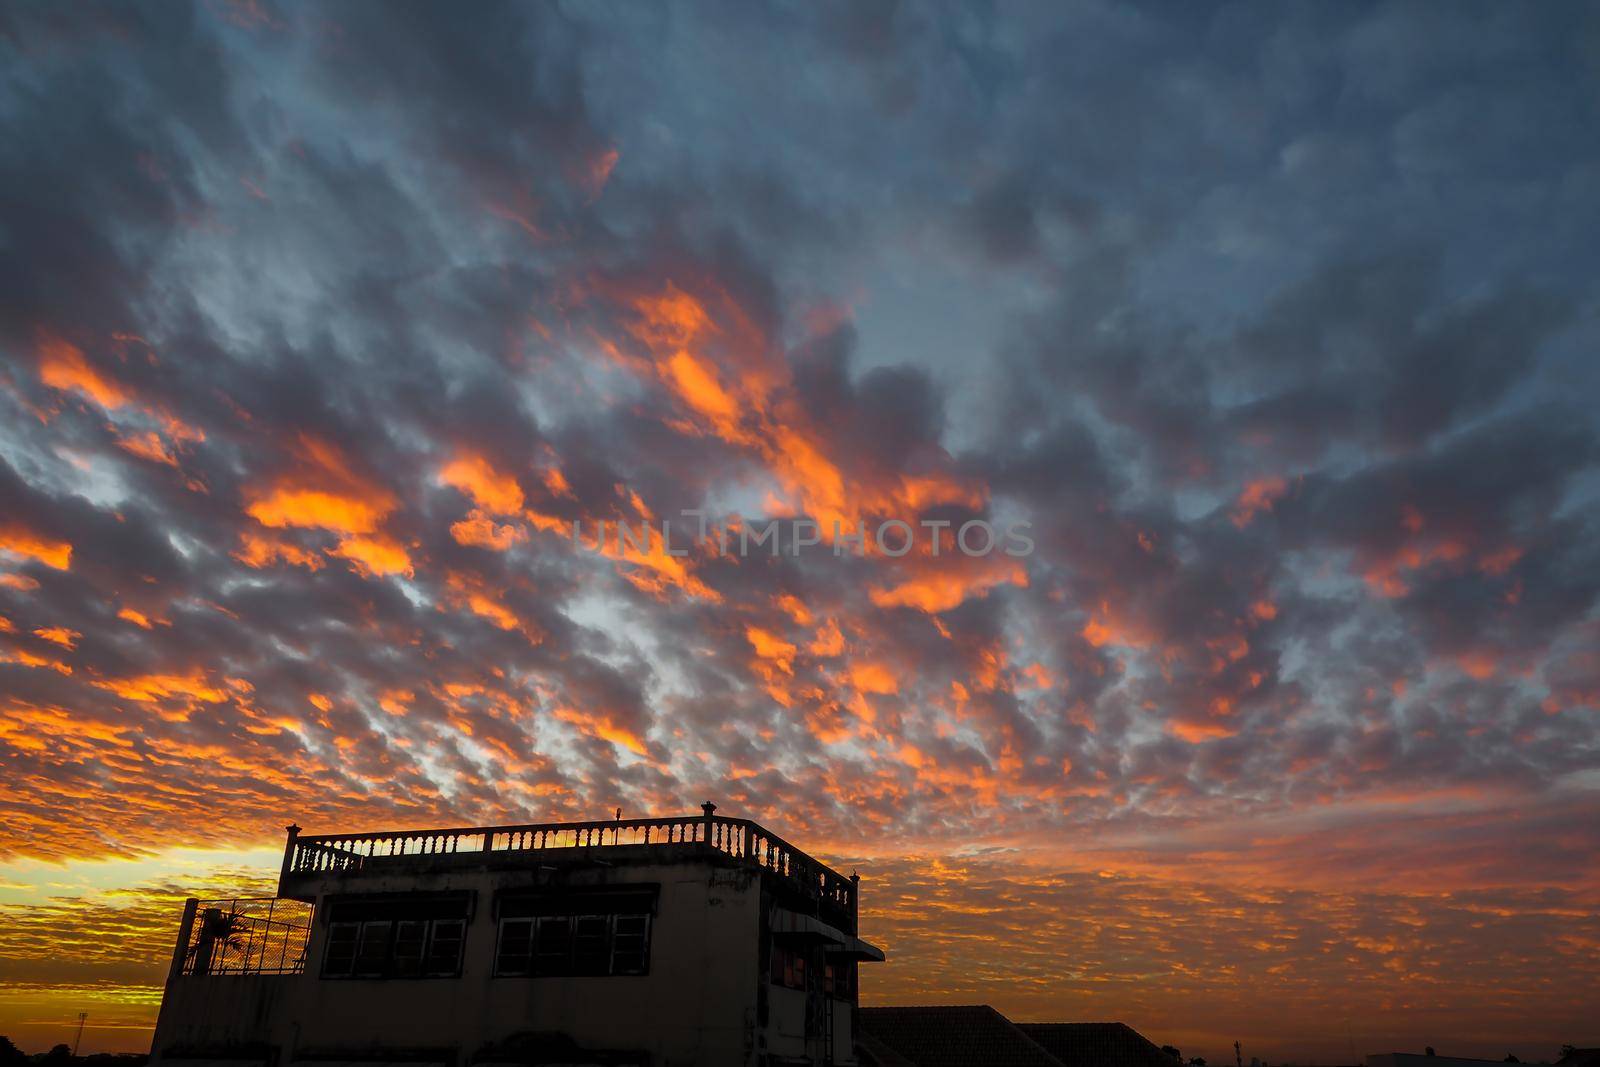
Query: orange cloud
[150, 688]
[1257, 496]
[874, 678]
[603, 727]
[375, 556]
[59, 635]
[1107, 628]
[773, 650]
[828, 641]
[148, 445]
[480, 531]
[30, 659]
[1197, 732]
[322, 492]
[946, 583]
[708, 354]
[491, 490]
[62, 366]
[260, 550]
[321, 509]
[471, 592]
[20, 541]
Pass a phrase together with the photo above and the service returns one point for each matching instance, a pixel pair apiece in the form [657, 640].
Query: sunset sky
[319, 327]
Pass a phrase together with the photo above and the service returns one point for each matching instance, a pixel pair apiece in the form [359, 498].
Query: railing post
[708, 808]
[855, 902]
[288, 854]
[185, 930]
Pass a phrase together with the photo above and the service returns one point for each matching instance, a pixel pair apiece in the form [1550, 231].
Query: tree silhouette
[218, 928]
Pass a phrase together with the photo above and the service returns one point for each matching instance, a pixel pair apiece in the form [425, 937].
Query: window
[444, 947]
[342, 938]
[630, 944]
[372, 957]
[514, 955]
[838, 979]
[553, 945]
[399, 937]
[573, 945]
[591, 944]
[410, 938]
[788, 967]
[601, 930]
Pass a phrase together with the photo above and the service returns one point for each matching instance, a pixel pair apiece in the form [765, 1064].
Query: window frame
[384, 963]
[573, 959]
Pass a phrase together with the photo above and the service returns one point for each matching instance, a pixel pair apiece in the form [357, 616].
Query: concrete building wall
[697, 1003]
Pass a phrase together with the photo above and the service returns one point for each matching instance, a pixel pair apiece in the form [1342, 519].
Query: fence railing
[739, 838]
[246, 935]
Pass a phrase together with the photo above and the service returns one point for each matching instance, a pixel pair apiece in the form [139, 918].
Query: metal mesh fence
[248, 935]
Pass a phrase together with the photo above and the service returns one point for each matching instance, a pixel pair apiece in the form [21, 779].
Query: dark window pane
[591, 948]
[410, 938]
[444, 947]
[553, 946]
[630, 944]
[342, 939]
[516, 947]
[372, 956]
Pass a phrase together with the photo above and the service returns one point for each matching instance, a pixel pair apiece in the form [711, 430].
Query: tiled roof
[874, 1053]
[1096, 1045]
[966, 1036]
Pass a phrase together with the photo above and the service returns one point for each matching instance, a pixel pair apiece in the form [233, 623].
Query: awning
[793, 927]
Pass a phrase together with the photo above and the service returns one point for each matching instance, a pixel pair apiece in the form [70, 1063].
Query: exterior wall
[696, 1005]
[786, 1033]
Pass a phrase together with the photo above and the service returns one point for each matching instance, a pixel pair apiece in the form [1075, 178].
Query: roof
[1096, 1044]
[310, 860]
[937, 1036]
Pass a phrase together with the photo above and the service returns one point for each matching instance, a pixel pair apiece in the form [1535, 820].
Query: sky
[1275, 324]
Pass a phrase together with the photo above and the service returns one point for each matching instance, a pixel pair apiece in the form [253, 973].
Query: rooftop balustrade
[743, 840]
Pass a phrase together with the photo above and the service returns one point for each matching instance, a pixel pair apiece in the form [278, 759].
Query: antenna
[82, 1015]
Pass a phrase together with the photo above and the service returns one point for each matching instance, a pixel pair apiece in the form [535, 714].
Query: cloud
[320, 330]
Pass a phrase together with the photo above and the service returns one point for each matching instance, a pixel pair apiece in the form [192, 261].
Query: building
[1428, 1059]
[666, 941]
[979, 1036]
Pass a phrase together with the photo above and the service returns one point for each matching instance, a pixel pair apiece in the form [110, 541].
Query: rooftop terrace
[742, 841]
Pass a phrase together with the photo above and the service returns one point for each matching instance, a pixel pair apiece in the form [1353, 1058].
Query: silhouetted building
[1096, 1044]
[676, 940]
[979, 1036]
[1420, 1059]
